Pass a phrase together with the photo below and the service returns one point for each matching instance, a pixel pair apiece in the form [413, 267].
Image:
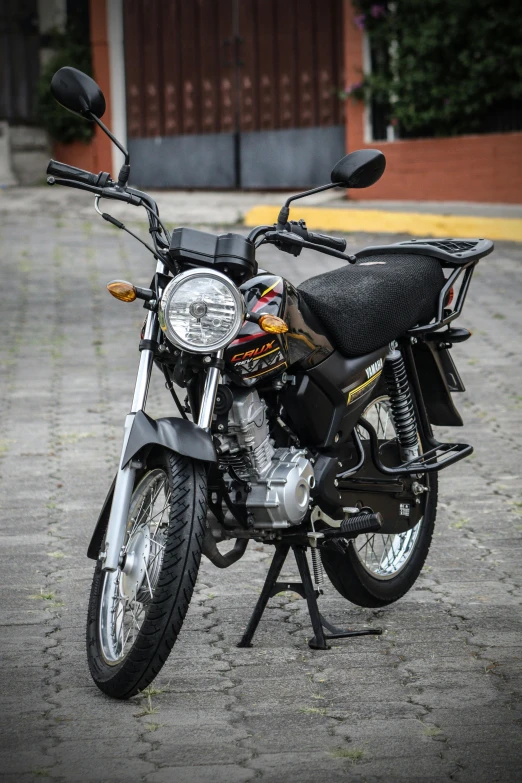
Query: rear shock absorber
[401, 403]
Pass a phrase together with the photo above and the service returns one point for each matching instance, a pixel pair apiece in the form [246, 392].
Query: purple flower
[378, 10]
[350, 88]
[360, 20]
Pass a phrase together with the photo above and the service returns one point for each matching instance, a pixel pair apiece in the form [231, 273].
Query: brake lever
[296, 243]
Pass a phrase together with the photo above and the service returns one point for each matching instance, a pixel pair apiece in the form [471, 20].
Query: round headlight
[201, 311]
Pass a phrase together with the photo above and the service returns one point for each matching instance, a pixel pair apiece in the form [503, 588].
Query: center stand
[306, 590]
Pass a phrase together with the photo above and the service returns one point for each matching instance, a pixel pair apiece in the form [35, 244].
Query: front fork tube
[126, 475]
[208, 398]
[111, 558]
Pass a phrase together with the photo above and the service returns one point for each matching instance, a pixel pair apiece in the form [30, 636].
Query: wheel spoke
[122, 609]
[148, 578]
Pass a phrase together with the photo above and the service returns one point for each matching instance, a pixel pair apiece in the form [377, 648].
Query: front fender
[179, 435]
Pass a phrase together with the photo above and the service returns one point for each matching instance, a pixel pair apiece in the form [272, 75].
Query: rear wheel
[136, 613]
[375, 570]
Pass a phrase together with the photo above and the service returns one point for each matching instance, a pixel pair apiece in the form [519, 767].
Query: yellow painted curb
[375, 221]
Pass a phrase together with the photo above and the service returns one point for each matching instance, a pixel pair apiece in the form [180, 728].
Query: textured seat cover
[364, 306]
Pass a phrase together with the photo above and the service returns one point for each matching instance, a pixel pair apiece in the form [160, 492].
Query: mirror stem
[285, 211]
[123, 176]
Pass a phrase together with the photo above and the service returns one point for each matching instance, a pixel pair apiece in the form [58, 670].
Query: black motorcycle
[307, 421]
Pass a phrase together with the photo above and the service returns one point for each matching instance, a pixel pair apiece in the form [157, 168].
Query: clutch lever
[292, 243]
[105, 192]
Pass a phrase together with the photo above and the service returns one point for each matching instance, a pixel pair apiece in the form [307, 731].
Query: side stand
[306, 590]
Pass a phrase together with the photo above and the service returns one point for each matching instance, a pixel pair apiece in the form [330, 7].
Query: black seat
[365, 306]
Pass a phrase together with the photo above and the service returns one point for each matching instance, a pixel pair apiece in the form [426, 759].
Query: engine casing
[280, 479]
[283, 494]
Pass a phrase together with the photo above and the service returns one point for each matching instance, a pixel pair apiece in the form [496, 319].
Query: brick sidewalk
[436, 697]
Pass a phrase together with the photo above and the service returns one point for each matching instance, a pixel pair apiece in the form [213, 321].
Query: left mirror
[77, 92]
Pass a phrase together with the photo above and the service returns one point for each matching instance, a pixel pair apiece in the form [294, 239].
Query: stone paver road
[436, 697]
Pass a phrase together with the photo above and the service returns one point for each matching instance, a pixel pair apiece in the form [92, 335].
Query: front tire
[374, 570]
[135, 614]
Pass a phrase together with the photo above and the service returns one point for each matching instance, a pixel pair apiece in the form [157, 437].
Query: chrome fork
[208, 400]
[111, 557]
[125, 477]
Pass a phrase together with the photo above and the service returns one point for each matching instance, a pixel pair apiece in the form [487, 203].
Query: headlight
[201, 311]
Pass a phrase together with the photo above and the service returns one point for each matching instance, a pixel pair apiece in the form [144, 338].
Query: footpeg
[354, 526]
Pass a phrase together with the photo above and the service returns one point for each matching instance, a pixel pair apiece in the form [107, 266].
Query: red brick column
[97, 154]
[100, 60]
[353, 68]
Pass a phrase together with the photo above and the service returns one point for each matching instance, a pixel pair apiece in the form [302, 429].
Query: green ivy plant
[442, 67]
[61, 124]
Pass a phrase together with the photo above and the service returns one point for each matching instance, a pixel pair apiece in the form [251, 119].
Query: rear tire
[125, 655]
[368, 580]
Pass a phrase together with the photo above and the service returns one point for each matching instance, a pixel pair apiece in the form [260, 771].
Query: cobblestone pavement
[436, 697]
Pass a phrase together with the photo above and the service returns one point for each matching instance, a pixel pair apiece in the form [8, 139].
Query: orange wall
[97, 154]
[485, 168]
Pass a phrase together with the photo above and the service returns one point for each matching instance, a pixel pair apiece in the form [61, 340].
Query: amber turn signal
[272, 324]
[122, 290]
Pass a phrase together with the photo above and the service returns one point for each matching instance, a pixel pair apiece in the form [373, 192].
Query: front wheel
[136, 613]
[374, 570]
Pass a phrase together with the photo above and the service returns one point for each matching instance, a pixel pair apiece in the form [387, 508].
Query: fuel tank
[256, 356]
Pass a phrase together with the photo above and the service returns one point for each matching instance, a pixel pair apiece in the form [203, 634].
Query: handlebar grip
[323, 239]
[64, 171]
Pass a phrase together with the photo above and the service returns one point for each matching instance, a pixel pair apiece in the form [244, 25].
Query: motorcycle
[307, 421]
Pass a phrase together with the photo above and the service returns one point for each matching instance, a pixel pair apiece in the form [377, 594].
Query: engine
[280, 479]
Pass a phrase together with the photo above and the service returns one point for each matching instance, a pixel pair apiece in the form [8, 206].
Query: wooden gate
[234, 93]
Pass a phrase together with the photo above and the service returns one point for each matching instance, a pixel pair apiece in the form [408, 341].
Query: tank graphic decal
[255, 353]
[273, 361]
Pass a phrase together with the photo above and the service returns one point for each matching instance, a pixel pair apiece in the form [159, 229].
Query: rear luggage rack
[452, 252]
[460, 255]
[439, 456]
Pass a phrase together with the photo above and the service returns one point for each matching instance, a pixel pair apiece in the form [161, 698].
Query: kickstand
[306, 590]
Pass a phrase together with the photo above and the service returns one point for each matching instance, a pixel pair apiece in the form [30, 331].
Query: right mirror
[359, 169]
[76, 91]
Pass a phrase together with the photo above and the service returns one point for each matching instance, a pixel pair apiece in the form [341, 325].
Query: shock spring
[401, 403]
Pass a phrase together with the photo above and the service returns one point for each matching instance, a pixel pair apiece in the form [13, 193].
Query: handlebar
[100, 184]
[103, 186]
[323, 239]
[64, 171]
[293, 242]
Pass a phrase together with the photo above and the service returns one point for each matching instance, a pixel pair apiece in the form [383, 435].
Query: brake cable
[119, 224]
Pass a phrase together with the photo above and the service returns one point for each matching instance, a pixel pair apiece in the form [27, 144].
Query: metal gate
[234, 93]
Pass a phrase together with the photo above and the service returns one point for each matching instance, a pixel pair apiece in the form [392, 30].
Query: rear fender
[178, 435]
[438, 377]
